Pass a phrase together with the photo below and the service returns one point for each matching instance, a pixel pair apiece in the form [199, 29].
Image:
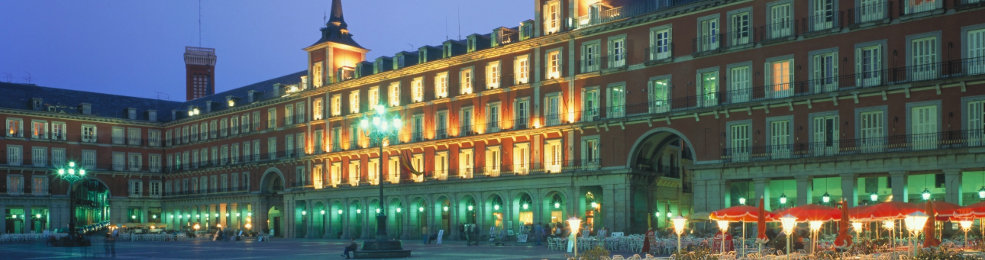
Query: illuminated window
[521, 69]
[441, 165]
[335, 171]
[709, 87]
[393, 169]
[552, 17]
[659, 94]
[394, 94]
[780, 76]
[272, 118]
[465, 163]
[336, 105]
[616, 101]
[354, 102]
[590, 104]
[553, 156]
[521, 158]
[373, 171]
[417, 89]
[492, 160]
[373, 96]
[492, 75]
[288, 114]
[465, 81]
[554, 64]
[441, 85]
[316, 74]
[318, 108]
[354, 172]
[39, 129]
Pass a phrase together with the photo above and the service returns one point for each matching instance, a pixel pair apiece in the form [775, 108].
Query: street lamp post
[72, 174]
[378, 127]
[679, 223]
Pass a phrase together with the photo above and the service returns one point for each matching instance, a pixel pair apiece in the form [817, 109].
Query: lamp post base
[382, 249]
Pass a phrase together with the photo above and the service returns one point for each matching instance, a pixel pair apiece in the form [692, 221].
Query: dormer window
[36, 103]
[447, 50]
[552, 17]
[526, 30]
[472, 40]
[422, 55]
[132, 113]
[347, 73]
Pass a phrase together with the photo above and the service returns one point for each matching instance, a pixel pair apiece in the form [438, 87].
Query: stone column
[762, 191]
[3, 214]
[803, 190]
[28, 219]
[608, 206]
[952, 181]
[344, 218]
[143, 215]
[898, 180]
[848, 189]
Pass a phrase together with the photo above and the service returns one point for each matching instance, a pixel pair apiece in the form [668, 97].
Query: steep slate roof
[18, 96]
[336, 30]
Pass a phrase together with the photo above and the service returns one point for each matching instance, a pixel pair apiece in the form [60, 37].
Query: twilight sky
[135, 48]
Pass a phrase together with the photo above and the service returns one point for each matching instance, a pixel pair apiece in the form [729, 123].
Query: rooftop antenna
[324, 17]
[459, 11]
[199, 22]
[446, 28]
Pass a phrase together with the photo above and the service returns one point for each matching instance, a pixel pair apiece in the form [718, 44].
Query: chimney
[199, 72]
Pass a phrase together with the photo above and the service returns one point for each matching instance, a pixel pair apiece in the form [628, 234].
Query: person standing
[424, 234]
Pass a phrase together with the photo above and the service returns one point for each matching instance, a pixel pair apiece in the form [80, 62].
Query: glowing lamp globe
[304, 212]
[788, 223]
[783, 199]
[249, 226]
[420, 209]
[557, 205]
[340, 212]
[915, 221]
[470, 208]
[196, 227]
[742, 201]
[722, 225]
[815, 225]
[525, 205]
[981, 193]
[495, 207]
[925, 194]
[445, 208]
[888, 224]
[873, 197]
[966, 225]
[857, 226]
[574, 224]
[826, 198]
[669, 215]
[679, 223]
[323, 212]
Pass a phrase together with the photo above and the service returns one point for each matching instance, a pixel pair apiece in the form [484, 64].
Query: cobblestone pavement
[275, 249]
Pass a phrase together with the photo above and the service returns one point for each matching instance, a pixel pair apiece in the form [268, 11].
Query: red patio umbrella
[976, 210]
[930, 239]
[944, 210]
[843, 241]
[736, 214]
[812, 212]
[761, 237]
[887, 210]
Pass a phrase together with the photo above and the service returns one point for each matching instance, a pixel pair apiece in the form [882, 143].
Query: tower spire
[337, 19]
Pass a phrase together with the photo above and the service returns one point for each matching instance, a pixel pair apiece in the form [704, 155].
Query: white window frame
[15, 155]
[615, 100]
[417, 89]
[739, 86]
[824, 70]
[739, 136]
[553, 155]
[521, 69]
[494, 74]
[870, 128]
[779, 85]
[590, 152]
[466, 163]
[923, 137]
[494, 113]
[441, 85]
[616, 50]
[661, 41]
[780, 136]
[780, 19]
[15, 127]
[590, 97]
[89, 133]
[354, 172]
[659, 103]
[39, 156]
[590, 56]
[394, 94]
[706, 97]
[441, 165]
[354, 102]
[552, 109]
[521, 158]
[740, 27]
[552, 17]
[825, 132]
[709, 33]
[923, 55]
[493, 158]
[553, 64]
[870, 10]
[869, 63]
[466, 76]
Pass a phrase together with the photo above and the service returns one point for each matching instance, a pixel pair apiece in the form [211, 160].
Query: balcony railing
[896, 143]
